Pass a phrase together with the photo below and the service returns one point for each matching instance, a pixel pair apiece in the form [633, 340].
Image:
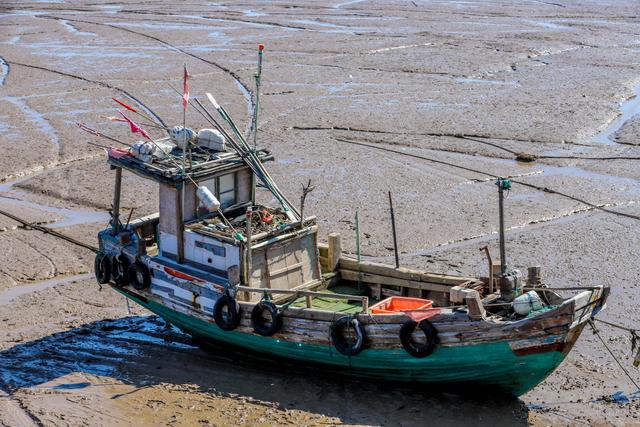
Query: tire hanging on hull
[342, 343]
[226, 313]
[120, 270]
[413, 347]
[263, 326]
[102, 268]
[139, 276]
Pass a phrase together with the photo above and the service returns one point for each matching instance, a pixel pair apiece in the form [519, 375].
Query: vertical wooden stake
[334, 251]
[358, 250]
[358, 238]
[393, 230]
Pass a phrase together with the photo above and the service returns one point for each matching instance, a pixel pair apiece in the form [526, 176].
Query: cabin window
[227, 190]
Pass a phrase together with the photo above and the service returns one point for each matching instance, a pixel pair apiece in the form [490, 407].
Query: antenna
[255, 110]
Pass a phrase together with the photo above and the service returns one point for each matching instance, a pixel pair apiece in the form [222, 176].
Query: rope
[535, 187]
[48, 230]
[624, 328]
[595, 331]
[532, 157]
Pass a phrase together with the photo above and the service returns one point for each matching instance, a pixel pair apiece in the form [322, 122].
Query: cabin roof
[205, 163]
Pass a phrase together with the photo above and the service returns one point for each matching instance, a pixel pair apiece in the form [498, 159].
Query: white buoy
[208, 199]
[524, 304]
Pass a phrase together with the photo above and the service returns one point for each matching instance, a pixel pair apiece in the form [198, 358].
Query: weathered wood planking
[402, 272]
[313, 326]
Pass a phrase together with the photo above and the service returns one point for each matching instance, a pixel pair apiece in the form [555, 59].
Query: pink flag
[134, 127]
[185, 89]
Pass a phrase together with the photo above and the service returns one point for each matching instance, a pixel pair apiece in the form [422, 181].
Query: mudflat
[428, 100]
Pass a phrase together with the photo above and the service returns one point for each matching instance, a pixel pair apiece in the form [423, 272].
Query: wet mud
[361, 97]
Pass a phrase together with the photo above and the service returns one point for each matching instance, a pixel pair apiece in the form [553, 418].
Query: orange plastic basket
[394, 304]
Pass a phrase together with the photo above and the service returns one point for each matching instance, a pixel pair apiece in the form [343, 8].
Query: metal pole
[180, 239]
[115, 213]
[255, 120]
[393, 229]
[502, 185]
[257, 107]
[249, 217]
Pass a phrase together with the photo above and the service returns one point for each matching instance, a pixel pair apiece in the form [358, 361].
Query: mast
[255, 119]
[503, 184]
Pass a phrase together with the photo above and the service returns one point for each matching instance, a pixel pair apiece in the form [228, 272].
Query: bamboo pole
[393, 230]
[249, 216]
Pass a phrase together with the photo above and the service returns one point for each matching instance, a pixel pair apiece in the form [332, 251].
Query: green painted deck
[491, 364]
[337, 305]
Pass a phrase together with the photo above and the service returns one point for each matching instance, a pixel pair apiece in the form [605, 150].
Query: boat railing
[309, 295]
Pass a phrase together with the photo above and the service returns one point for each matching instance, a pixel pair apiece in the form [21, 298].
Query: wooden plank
[285, 269]
[392, 281]
[402, 272]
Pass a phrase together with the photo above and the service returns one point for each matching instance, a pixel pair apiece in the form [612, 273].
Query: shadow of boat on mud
[143, 351]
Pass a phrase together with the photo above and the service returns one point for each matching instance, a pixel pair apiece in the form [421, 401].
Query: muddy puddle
[629, 109]
[9, 295]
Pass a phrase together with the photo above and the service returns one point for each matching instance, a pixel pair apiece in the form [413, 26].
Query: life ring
[119, 270]
[102, 268]
[226, 313]
[139, 276]
[269, 325]
[418, 349]
[342, 343]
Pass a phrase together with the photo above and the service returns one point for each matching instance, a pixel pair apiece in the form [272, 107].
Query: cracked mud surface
[460, 83]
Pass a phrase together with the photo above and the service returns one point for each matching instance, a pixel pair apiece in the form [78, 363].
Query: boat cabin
[239, 243]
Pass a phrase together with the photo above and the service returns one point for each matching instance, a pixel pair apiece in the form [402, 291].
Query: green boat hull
[486, 365]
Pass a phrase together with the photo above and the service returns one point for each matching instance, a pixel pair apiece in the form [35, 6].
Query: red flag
[134, 127]
[185, 89]
[128, 107]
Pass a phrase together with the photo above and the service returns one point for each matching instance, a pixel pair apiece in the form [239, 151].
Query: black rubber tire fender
[139, 276]
[338, 339]
[415, 349]
[102, 268]
[120, 270]
[262, 327]
[232, 319]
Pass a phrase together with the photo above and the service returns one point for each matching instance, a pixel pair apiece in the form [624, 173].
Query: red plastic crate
[395, 304]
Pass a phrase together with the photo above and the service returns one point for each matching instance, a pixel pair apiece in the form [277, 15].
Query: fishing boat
[242, 275]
